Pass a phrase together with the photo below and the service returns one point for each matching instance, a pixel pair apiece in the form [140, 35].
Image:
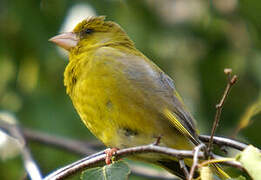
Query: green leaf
[250, 158]
[118, 170]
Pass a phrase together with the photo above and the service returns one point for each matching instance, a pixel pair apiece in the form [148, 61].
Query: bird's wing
[159, 87]
[177, 112]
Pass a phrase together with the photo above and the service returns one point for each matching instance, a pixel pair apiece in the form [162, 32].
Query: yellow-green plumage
[120, 95]
[114, 91]
[123, 97]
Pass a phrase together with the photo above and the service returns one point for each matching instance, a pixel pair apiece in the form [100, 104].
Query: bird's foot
[109, 153]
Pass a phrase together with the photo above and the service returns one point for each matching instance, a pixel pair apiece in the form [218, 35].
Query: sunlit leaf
[250, 158]
[206, 173]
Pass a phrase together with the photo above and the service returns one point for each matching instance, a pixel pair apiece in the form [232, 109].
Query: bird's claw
[109, 153]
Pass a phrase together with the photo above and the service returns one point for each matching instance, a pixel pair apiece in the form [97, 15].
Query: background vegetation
[192, 40]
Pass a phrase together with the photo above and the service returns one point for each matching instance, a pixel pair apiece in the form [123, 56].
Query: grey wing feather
[150, 79]
[178, 107]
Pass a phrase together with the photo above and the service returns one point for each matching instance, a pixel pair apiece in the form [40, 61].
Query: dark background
[192, 41]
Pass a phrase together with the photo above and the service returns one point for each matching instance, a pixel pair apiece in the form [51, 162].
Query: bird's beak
[65, 40]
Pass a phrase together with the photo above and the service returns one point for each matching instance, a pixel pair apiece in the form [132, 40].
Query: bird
[122, 97]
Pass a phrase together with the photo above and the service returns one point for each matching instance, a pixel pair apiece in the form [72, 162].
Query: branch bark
[99, 159]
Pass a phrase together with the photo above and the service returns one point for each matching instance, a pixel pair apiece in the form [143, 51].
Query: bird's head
[92, 32]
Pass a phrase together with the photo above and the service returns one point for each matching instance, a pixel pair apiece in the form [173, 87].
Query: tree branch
[99, 159]
[84, 148]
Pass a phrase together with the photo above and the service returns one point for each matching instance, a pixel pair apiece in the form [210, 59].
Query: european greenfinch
[121, 96]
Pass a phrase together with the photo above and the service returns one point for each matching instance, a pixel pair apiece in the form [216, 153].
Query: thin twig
[13, 129]
[184, 168]
[99, 159]
[219, 106]
[195, 160]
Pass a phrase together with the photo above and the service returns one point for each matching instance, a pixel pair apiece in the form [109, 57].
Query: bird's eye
[88, 31]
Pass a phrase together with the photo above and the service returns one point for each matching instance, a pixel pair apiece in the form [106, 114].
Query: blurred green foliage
[193, 41]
